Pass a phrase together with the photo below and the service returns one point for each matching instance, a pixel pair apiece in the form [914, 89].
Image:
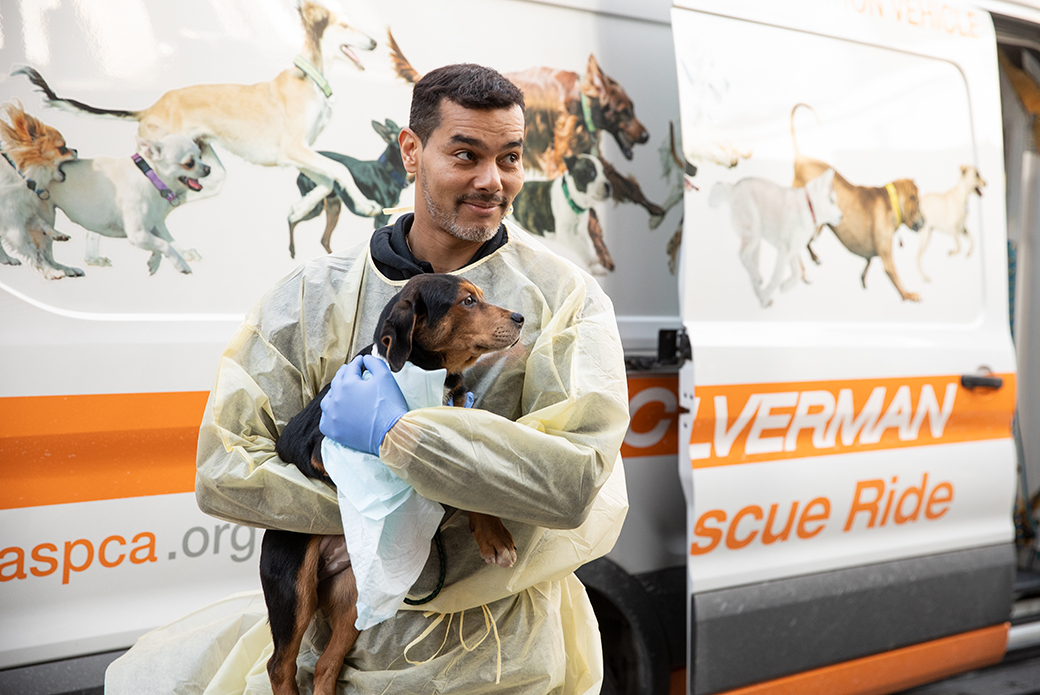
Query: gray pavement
[1018, 674]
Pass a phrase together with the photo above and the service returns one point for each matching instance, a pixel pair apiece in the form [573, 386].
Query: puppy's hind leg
[338, 596]
[289, 577]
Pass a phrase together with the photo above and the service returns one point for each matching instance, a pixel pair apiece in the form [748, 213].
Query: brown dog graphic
[870, 215]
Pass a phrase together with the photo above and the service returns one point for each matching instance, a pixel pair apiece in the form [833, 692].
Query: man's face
[469, 170]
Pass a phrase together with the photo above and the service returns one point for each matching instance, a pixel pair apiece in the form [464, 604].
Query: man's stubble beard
[449, 220]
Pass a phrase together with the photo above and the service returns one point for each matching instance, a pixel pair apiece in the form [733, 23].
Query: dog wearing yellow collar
[870, 214]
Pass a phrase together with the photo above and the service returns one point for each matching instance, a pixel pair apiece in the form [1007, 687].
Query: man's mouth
[191, 183]
[484, 205]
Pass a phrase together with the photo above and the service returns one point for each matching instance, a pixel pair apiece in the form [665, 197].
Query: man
[538, 449]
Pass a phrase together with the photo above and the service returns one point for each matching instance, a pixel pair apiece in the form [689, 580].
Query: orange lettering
[859, 505]
[917, 492]
[68, 567]
[939, 499]
[18, 563]
[713, 535]
[731, 537]
[808, 517]
[101, 551]
[768, 537]
[52, 562]
[148, 548]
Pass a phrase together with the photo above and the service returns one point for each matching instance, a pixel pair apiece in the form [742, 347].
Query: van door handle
[977, 381]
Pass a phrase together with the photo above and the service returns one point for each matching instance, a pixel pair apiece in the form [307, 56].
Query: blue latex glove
[362, 404]
[467, 404]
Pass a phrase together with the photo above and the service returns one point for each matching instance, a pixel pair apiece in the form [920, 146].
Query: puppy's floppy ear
[570, 161]
[396, 333]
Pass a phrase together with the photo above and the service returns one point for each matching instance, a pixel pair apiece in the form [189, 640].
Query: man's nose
[489, 178]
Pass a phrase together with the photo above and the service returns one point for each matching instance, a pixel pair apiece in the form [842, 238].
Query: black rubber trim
[760, 632]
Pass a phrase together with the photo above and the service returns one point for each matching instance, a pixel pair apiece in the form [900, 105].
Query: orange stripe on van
[63, 449]
[895, 670]
[748, 423]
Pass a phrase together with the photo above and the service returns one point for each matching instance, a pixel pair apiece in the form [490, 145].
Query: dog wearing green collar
[559, 209]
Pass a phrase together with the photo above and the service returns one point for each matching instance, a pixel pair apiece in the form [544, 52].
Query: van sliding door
[853, 383]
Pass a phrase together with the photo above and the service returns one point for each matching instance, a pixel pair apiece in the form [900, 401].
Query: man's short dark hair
[468, 85]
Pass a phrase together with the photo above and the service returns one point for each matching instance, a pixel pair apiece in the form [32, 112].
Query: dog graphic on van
[381, 180]
[786, 218]
[560, 208]
[702, 112]
[947, 212]
[270, 124]
[34, 154]
[870, 214]
[567, 115]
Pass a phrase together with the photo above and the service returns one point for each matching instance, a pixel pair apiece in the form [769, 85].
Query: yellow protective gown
[539, 449]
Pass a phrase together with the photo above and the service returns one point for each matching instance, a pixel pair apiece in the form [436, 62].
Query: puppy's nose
[518, 318]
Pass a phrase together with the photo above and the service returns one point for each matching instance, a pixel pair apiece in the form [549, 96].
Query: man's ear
[411, 149]
[396, 334]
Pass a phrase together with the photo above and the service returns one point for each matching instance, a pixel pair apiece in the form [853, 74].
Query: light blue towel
[388, 526]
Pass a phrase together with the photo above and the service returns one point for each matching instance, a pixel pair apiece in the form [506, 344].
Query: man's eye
[513, 158]
[468, 156]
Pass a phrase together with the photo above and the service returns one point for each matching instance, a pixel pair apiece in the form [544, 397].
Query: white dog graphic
[785, 217]
[946, 212]
[130, 197]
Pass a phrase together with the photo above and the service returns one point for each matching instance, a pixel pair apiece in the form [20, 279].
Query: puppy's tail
[70, 105]
[719, 194]
[403, 68]
[794, 140]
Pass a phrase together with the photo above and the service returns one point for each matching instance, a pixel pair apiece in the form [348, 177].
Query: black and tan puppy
[435, 322]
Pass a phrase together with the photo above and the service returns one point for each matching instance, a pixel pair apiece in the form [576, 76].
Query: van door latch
[981, 381]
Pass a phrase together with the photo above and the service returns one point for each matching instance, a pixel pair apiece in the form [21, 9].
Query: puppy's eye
[469, 301]
[63, 150]
[190, 164]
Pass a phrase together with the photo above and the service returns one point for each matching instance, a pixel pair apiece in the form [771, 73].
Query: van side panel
[765, 631]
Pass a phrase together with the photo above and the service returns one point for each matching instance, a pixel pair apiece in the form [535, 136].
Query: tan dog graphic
[870, 214]
[947, 212]
[271, 123]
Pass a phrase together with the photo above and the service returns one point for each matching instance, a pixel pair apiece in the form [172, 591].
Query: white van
[826, 492]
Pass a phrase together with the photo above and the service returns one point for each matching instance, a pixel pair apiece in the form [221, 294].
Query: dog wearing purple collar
[130, 197]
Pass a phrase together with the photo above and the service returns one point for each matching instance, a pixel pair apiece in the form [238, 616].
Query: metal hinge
[673, 346]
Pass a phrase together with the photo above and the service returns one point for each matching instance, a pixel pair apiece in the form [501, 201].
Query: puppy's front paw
[503, 557]
[494, 540]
